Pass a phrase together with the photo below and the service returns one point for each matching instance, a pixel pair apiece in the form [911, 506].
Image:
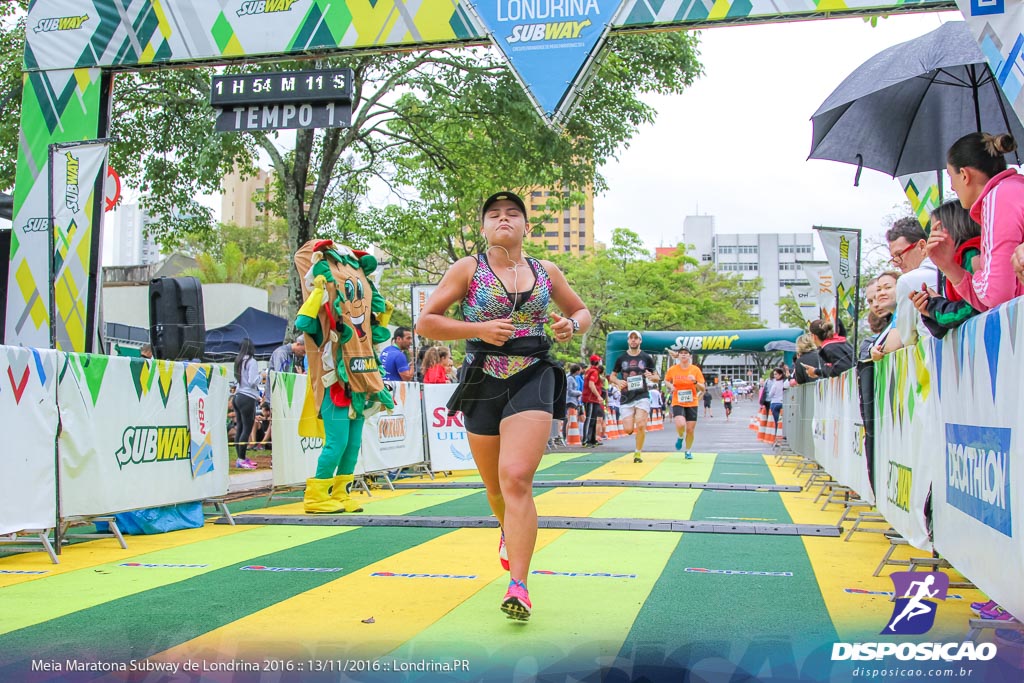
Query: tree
[232, 266]
[419, 118]
[12, 46]
[789, 312]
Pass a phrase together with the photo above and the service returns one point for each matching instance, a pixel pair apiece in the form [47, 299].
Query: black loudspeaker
[177, 327]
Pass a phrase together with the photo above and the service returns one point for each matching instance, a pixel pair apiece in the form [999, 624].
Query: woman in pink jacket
[995, 197]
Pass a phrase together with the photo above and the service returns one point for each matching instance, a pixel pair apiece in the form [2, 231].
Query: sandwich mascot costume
[343, 316]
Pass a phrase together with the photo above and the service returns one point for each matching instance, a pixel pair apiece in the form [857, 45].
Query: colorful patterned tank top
[487, 299]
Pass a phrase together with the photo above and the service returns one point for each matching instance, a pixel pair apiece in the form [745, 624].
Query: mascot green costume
[343, 317]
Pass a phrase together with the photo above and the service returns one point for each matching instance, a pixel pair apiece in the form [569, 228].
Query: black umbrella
[900, 111]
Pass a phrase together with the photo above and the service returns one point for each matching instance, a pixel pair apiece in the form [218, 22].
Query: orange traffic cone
[762, 423]
[572, 432]
[613, 428]
[769, 430]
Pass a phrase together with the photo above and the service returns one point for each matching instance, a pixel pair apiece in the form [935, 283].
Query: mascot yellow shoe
[340, 494]
[318, 500]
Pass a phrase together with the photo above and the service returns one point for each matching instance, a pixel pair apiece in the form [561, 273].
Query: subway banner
[924, 191]
[77, 174]
[394, 439]
[28, 421]
[979, 487]
[447, 440]
[294, 457]
[905, 419]
[839, 432]
[125, 441]
[842, 248]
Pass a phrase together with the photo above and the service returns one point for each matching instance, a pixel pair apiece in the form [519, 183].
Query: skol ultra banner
[207, 387]
[839, 433]
[823, 287]
[447, 440]
[394, 439]
[905, 421]
[125, 441]
[294, 457]
[28, 421]
[977, 443]
[842, 248]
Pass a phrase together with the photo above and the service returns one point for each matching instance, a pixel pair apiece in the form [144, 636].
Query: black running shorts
[689, 412]
[530, 389]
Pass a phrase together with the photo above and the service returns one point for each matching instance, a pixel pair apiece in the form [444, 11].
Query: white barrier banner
[125, 441]
[978, 492]
[446, 436]
[395, 439]
[28, 421]
[906, 444]
[294, 457]
[839, 433]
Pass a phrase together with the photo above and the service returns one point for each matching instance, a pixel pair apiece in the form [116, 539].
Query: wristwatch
[575, 325]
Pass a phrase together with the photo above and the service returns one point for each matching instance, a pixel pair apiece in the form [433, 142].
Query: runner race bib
[684, 395]
[634, 383]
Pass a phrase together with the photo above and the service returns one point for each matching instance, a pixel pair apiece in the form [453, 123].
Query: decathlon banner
[446, 436]
[125, 440]
[294, 457]
[207, 387]
[839, 433]
[823, 287]
[979, 487]
[842, 248]
[395, 439]
[905, 424]
[77, 175]
[28, 421]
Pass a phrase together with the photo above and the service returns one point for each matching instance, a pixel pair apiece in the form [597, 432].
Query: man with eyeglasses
[907, 241]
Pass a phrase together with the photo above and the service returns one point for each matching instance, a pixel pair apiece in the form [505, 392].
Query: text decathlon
[517, 10]
[153, 444]
[921, 652]
[979, 473]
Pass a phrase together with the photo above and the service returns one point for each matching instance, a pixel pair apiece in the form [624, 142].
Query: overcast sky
[735, 145]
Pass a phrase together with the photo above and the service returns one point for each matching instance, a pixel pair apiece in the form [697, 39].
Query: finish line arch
[73, 49]
[710, 341]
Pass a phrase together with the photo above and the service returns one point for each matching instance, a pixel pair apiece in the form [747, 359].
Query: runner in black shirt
[631, 373]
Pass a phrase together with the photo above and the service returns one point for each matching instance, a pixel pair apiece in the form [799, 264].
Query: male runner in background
[630, 373]
[687, 382]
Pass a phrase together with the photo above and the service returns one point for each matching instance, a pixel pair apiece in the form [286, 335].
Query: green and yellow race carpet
[296, 602]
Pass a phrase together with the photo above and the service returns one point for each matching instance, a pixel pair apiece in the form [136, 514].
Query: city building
[569, 230]
[129, 244]
[772, 257]
[244, 201]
